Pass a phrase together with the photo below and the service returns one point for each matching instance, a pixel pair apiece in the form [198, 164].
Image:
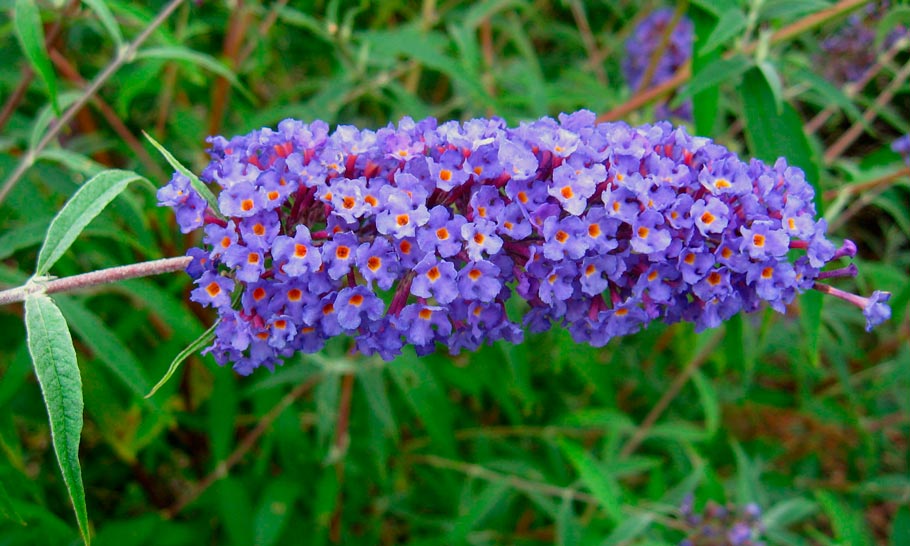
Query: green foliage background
[546, 442]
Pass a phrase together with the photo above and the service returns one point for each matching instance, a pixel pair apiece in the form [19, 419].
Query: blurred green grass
[541, 443]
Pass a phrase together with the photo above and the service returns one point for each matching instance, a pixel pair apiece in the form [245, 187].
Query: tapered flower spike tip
[418, 234]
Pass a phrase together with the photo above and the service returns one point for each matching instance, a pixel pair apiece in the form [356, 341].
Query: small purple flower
[435, 279]
[480, 237]
[479, 281]
[248, 263]
[353, 305]
[876, 310]
[647, 235]
[259, 231]
[296, 256]
[710, 216]
[241, 200]
[441, 233]
[764, 240]
[902, 147]
[566, 238]
[338, 254]
[213, 290]
[188, 205]
[378, 262]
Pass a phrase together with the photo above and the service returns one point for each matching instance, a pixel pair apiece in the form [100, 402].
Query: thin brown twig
[240, 21]
[70, 72]
[263, 29]
[684, 73]
[678, 383]
[855, 130]
[527, 486]
[860, 187]
[243, 447]
[864, 200]
[852, 88]
[588, 40]
[95, 278]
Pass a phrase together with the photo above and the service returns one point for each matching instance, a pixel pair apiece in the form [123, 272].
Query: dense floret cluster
[722, 526]
[647, 40]
[419, 234]
[852, 50]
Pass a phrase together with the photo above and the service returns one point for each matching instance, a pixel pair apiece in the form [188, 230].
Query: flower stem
[95, 278]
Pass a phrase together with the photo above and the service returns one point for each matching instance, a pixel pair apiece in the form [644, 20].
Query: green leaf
[709, 401]
[106, 346]
[773, 135]
[789, 9]
[197, 184]
[193, 347]
[30, 32]
[705, 104]
[715, 73]
[731, 23]
[831, 94]
[180, 53]
[54, 356]
[596, 478]
[107, 19]
[898, 16]
[82, 207]
[7, 510]
[848, 524]
[72, 160]
[772, 78]
[788, 512]
[900, 527]
[274, 511]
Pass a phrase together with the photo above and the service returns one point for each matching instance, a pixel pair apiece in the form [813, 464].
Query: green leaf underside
[193, 347]
[30, 32]
[78, 212]
[54, 357]
[197, 184]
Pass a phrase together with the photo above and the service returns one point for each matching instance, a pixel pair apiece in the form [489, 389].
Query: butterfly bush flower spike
[419, 233]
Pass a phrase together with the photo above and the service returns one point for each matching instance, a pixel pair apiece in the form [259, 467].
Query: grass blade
[54, 356]
[200, 342]
[198, 185]
[30, 32]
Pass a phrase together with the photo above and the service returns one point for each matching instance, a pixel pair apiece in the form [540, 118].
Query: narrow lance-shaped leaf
[81, 209]
[197, 184]
[200, 342]
[52, 351]
[30, 32]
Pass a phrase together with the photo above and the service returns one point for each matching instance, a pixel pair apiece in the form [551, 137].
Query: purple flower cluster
[418, 234]
[902, 147]
[850, 51]
[722, 526]
[644, 43]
